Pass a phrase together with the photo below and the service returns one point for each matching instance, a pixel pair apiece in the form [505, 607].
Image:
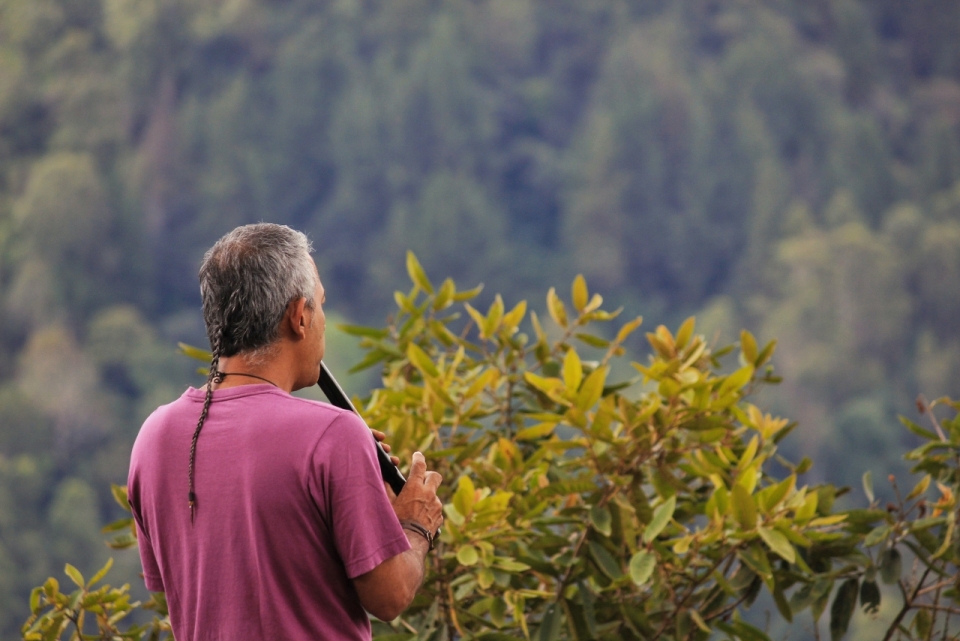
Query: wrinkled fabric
[290, 507]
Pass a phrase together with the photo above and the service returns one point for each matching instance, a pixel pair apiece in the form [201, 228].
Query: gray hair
[247, 279]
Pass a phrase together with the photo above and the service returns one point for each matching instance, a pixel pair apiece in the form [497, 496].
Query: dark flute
[337, 397]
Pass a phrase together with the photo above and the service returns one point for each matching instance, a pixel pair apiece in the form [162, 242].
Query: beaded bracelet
[419, 529]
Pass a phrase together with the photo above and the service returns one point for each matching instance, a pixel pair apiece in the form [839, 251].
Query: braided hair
[213, 376]
[246, 280]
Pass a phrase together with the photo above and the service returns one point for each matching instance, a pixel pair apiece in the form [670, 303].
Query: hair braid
[214, 376]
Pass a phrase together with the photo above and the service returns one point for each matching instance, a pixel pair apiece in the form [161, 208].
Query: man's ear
[295, 319]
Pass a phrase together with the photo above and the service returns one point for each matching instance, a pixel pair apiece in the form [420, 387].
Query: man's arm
[388, 589]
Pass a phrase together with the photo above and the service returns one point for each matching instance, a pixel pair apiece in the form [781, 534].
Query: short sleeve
[151, 571]
[362, 522]
[148, 559]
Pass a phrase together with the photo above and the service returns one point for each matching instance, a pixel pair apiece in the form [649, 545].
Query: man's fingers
[433, 480]
[377, 434]
[395, 460]
[418, 467]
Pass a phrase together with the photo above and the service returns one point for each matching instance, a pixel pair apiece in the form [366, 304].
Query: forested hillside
[789, 166]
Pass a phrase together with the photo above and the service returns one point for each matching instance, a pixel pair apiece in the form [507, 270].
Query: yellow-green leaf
[467, 555]
[629, 328]
[685, 332]
[514, 316]
[736, 380]
[558, 312]
[74, 575]
[778, 543]
[536, 431]
[919, 488]
[421, 360]
[417, 275]
[477, 317]
[465, 495]
[572, 370]
[744, 509]
[102, 572]
[642, 565]
[661, 517]
[494, 316]
[749, 346]
[579, 292]
[195, 352]
[592, 389]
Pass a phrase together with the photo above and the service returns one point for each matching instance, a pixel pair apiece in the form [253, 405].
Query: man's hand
[418, 501]
[380, 436]
[388, 589]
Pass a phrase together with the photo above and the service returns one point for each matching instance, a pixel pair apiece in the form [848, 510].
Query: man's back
[290, 508]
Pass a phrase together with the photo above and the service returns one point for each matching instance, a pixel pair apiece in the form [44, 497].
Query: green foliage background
[788, 166]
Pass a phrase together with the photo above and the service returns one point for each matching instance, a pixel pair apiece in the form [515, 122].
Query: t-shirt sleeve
[364, 526]
[151, 571]
[148, 559]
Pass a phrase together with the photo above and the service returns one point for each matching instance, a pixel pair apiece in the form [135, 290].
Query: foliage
[579, 507]
[783, 165]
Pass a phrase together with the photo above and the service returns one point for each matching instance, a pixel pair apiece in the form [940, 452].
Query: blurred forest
[789, 166]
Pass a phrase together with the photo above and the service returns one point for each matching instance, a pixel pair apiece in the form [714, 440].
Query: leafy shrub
[579, 507]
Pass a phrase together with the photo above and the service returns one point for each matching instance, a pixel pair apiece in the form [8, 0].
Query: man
[262, 515]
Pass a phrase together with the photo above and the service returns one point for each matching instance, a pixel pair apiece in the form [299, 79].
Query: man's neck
[275, 370]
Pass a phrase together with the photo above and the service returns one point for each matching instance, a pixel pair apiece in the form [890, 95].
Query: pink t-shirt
[290, 507]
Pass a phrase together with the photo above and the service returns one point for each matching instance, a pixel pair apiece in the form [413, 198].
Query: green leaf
[579, 294]
[601, 519]
[922, 623]
[779, 544]
[765, 355]
[891, 566]
[74, 575]
[359, 330]
[870, 597]
[755, 557]
[417, 275]
[605, 561]
[551, 624]
[842, 609]
[877, 535]
[572, 370]
[467, 555]
[781, 602]
[868, 485]
[919, 431]
[661, 517]
[35, 599]
[593, 341]
[744, 508]
[642, 565]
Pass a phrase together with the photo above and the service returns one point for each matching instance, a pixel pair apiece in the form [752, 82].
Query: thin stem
[907, 604]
